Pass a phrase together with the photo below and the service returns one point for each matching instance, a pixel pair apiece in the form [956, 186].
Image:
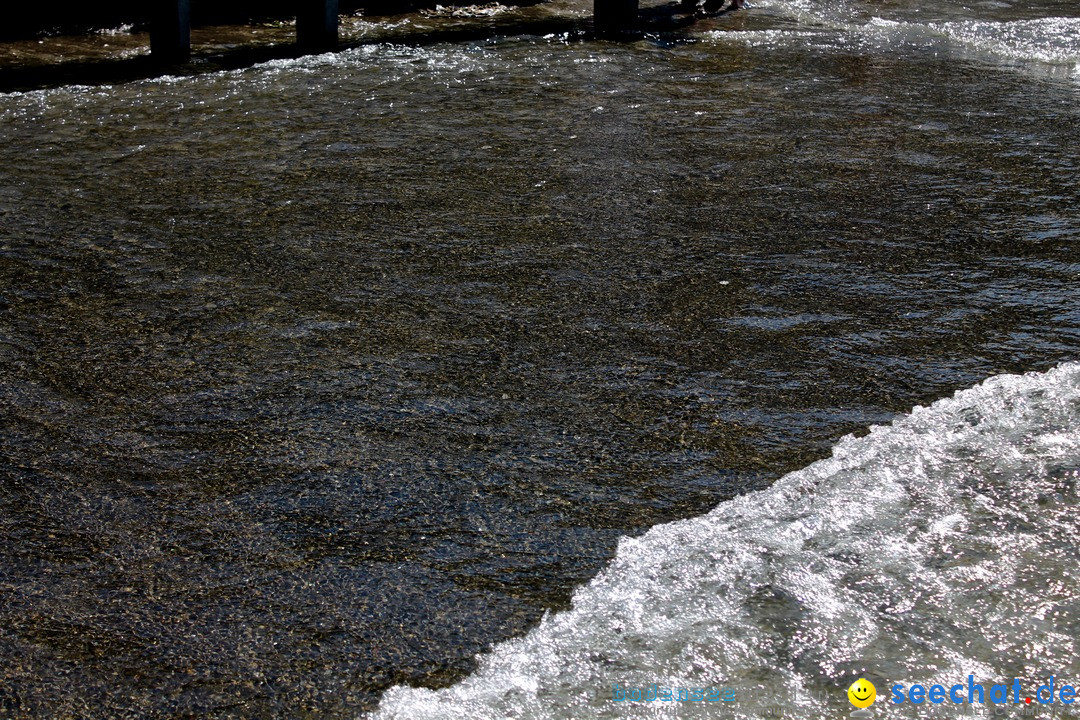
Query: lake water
[323, 376]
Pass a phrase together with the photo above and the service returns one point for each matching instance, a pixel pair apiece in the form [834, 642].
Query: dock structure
[614, 17]
[317, 25]
[170, 30]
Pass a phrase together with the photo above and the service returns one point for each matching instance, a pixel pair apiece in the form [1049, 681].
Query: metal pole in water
[317, 24]
[170, 31]
[614, 17]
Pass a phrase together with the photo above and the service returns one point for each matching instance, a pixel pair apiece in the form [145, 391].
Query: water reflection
[324, 375]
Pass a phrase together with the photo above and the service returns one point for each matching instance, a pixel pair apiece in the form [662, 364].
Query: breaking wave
[1051, 42]
[941, 545]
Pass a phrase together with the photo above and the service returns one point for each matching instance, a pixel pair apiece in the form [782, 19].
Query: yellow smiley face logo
[862, 693]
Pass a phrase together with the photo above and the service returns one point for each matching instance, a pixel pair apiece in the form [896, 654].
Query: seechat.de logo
[862, 694]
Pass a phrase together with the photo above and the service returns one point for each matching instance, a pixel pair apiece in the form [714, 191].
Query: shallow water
[938, 548]
[322, 376]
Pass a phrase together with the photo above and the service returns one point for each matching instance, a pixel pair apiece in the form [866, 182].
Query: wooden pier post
[317, 24]
[170, 31]
[614, 17]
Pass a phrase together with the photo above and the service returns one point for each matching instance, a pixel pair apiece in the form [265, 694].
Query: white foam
[1050, 41]
[939, 546]
[1053, 40]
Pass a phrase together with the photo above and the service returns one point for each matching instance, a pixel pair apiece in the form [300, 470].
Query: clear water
[321, 377]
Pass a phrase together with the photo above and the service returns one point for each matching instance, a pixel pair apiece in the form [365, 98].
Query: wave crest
[935, 547]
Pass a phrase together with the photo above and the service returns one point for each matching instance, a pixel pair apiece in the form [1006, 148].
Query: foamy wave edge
[1053, 42]
[931, 548]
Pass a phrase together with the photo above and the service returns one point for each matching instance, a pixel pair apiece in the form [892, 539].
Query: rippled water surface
[324, 375]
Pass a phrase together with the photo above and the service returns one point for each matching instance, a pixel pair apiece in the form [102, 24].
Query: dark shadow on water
[663, 24]
[101, 72]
